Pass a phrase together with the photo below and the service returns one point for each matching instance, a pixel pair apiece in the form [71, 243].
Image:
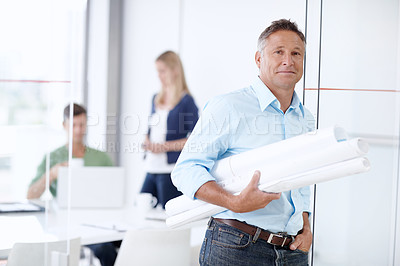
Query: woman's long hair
[173, 62]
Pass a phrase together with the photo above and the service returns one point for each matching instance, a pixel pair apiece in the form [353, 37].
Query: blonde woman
[173, 116]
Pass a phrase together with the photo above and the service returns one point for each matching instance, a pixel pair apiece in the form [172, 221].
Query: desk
[53, 226]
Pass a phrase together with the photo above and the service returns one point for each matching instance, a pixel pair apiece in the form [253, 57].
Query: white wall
[97, 76]
[150, 27]
[220, 41]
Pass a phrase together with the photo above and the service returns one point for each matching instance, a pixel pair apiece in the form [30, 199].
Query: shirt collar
[266, 98]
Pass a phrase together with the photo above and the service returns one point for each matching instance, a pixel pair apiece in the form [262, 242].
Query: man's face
[79, 128]
[281, 65]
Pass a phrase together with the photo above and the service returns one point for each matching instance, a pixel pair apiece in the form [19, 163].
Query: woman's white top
[157, 163]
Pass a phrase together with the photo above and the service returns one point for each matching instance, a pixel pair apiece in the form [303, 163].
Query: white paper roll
[319, 175]
[278, 151]
[181, 204]
[204, 210]
[292, 163]
[243, 170]
[272, 172]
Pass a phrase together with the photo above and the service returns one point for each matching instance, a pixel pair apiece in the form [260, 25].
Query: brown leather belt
[281, 240]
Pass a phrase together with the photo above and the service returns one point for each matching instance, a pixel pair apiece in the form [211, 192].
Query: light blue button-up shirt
[236, 122]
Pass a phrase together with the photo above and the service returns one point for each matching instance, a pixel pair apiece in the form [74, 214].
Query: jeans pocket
[301, 251]
[231, 239]
[298, 257]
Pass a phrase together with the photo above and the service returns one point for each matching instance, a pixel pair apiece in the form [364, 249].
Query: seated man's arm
[37, 188]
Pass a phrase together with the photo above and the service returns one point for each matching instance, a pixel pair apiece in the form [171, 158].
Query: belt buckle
[280, 235]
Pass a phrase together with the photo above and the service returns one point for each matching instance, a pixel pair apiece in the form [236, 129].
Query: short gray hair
[277, 25]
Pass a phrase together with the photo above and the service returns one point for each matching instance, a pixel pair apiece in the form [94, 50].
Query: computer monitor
[91, 187]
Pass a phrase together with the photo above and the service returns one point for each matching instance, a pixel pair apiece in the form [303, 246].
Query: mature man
[258, 228]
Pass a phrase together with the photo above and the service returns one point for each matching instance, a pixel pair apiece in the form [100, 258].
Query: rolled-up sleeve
[208, 141]
[305, 194]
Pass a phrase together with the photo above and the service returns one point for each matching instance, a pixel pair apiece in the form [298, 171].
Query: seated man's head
[79, 122]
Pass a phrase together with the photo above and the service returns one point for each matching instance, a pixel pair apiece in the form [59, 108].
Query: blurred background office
[101, 53]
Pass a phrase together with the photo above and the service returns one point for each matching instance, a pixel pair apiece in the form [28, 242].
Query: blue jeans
[161, 187]
[226, 245]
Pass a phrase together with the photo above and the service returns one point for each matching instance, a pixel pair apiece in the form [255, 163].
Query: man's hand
[252, 198]
[54, 170]
[37, 188]
[303, 241]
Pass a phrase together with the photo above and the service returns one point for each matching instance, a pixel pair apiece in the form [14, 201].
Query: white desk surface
[54, 225]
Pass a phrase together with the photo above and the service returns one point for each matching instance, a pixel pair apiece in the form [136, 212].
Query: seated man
[106, 252]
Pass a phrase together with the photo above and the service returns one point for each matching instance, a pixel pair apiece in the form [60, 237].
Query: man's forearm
[212, 193]
[249, 199]
[306, 222]
[37, 188]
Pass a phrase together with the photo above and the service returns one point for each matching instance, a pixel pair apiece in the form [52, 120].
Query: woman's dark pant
[105, 252]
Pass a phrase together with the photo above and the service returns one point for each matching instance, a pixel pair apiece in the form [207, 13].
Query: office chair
[44, 254]
[155, 247]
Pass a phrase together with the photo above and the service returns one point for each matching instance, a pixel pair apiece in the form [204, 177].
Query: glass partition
[358, 89]
[41, 67]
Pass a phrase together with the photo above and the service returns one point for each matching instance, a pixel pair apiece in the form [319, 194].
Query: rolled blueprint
[284, 165]
[319, 175]
[239, 169]
[197, 210]
[234, 172]
[294, 147]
